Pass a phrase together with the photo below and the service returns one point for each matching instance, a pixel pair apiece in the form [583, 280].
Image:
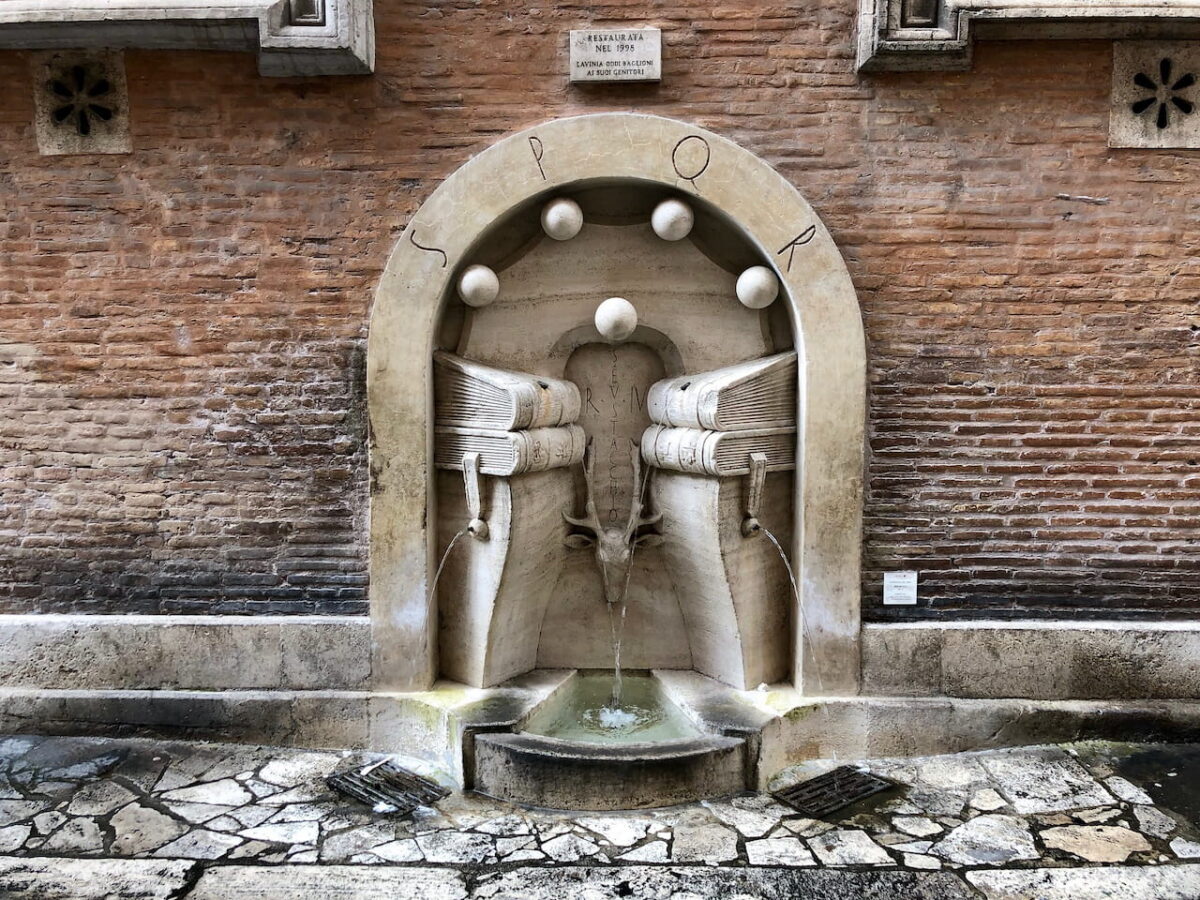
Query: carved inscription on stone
[613, 381]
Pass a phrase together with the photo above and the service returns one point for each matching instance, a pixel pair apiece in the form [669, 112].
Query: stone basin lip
[540, 771]
[673, 748]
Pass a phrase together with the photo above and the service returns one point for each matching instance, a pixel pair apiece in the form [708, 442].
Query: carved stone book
[468, 394]
[760, 393]
[717, 452]
[510, 452]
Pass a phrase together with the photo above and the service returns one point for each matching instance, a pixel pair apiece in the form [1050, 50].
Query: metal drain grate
[387, 788]
[825, 794]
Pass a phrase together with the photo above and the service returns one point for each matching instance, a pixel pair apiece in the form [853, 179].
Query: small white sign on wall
[899, 588]
[616, 54]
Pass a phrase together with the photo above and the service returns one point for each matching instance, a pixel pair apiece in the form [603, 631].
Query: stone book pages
[757, 394]
[471, 395]
[704, 452]
[510, 452]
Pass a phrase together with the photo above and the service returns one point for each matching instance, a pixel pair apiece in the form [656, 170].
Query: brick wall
[182, 329]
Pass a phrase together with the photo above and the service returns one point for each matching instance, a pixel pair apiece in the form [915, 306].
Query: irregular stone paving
[82, 817]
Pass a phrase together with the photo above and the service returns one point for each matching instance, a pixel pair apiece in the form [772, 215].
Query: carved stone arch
[825, 319]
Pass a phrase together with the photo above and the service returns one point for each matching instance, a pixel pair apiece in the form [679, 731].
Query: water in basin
[583, 711]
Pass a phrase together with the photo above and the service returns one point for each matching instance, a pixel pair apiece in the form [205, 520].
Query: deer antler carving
[614, 543]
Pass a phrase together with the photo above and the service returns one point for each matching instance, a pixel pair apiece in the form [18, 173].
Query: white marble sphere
[757, 287]
[672, 220]
[616, 319]
[478, 286]
[562, 218]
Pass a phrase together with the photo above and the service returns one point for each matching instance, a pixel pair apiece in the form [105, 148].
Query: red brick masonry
[182, 329]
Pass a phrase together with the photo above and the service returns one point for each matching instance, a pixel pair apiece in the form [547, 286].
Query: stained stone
[93, 879]
[508, 845]
[654, 851]
[13, 837]
[807, 828]
[710, 844]
[951, 772]
[291, 771]
[917, 826]
[988, 840]
[1040, 784]
[98, 799]
[455, 847]
[987, 800]
[506, 826]
[723, 883]
[1126, 790]
[198, 813]
[48, 821]
[785, 851]
[569, 848]
[921, 861]
[1154, 821]
[849, 848]
[250, 816]
[140, 829]
[753, 816]
[346, 844]
[529, 855]
[16, 810]
[1185, 849]
[1097, 816]
[81, 835]
[199, 844]
[285, 833]
[248, 850]
[226, 792]
[1106, 883]
[617, 831]
[1096, 843]
[399, 851]
[305, 793]
[293, 882]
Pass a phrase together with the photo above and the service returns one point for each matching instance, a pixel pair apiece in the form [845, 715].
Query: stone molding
[1032, 659]
[291, 37]
[821, 302]
[203, 653]
[910, 35]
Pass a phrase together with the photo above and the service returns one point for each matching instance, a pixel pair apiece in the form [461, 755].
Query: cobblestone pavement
[91, 818]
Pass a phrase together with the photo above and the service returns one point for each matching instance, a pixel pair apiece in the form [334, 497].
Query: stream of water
[442, 564]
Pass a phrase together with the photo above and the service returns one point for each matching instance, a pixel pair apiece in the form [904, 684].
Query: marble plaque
[617, 54]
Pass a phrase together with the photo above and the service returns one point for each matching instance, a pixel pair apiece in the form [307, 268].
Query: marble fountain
[597, 383]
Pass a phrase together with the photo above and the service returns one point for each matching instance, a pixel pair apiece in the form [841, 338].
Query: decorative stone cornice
[291, 37]
[937, 34]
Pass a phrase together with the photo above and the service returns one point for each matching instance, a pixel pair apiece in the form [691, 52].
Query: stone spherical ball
[616, 319]
[478, 286]
[757, 287]
[562, 218]
[672, 220]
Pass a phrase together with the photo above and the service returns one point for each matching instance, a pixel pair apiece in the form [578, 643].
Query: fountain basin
[578, 752]
[542, 771]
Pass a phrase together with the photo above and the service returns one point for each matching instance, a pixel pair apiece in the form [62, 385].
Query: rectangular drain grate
[387, 788]
[825, 794]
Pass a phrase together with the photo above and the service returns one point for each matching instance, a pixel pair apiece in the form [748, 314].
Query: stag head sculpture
[614, 543]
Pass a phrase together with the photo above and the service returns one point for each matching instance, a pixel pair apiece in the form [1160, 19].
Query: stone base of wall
[1032, 659]
[431, 726]
[305, 682]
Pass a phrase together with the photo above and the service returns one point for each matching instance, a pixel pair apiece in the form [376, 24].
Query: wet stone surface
[183, 809]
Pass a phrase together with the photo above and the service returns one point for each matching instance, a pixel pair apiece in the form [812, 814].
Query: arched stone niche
[416, 309]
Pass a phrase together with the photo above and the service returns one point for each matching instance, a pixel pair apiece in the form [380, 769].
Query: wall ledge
[1061, 660]
[933, 35]
[332, 37]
